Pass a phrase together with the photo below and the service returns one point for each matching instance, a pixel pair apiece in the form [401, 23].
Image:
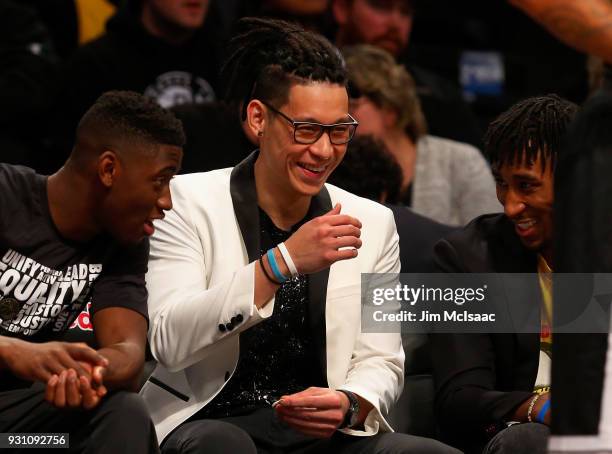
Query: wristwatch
[350, 419]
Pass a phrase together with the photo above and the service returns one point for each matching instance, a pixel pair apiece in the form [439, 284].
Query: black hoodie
[128, 57]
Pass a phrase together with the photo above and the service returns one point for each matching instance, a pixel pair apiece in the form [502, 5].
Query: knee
[210, 436]
[528, 438]
[127, 407]
[397, 443]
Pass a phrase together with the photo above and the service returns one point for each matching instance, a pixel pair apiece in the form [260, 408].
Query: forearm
[585, 25]
[125, 364]
[5, 345]
[185, 323]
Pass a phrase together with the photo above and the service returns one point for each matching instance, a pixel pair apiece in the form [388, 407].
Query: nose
[323, 148]
[164, 202]
[513, 204]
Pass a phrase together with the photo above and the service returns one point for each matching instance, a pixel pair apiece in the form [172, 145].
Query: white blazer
[201, 279]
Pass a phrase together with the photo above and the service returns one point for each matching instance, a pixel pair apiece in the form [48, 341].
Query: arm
[376, 372]
[585, 25]
[122, 335]
[188, 315]
[464, 368]
[185, 311]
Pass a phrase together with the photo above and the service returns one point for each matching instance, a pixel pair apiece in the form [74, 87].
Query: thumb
[335, 210]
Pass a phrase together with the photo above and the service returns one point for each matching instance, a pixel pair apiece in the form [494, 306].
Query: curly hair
[128, 114]
[267, 56]
[369, 170]
[531, 128]
[374, 73]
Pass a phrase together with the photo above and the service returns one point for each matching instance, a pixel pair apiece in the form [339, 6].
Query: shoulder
[489, 243]
[488, 227]
[201, 187]
[16, 178]
[452, 149]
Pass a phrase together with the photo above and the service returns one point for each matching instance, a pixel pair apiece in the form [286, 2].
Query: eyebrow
[345, 119]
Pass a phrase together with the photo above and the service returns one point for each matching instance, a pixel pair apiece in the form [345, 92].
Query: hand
[38, 362]
[71, 391]
[316, 412]
[315, 245]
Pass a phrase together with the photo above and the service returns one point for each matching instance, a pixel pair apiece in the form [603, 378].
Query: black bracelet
[266, 273]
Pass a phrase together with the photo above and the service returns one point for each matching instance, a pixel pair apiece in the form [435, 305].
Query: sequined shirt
[277, 356]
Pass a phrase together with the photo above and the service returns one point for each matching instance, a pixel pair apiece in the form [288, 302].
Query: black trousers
[261, 432]
[119, 424]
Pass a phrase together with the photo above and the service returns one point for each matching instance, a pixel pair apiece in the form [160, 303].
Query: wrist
[351, 414]
[6, 346]
[282, 265]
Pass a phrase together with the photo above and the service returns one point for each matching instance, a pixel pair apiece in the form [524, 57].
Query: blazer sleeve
[187, 315]
[376, 371]
[467, 401]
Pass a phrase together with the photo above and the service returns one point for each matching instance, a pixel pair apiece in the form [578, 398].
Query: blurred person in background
[28, 75]
[387, 24]
[447, 181]
[165, 49]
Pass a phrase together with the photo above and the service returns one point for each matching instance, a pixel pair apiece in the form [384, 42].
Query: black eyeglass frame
[322, 127]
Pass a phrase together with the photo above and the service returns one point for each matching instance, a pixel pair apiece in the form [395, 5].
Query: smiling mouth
[311, 168]
[526, 224]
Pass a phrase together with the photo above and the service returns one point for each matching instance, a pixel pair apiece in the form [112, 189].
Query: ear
[108, 168]
[256, 118]
[340, 10]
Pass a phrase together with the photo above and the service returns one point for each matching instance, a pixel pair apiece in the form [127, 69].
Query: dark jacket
[481, 378]
[417, 237]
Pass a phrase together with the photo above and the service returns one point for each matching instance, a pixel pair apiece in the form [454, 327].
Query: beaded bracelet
[531, 405]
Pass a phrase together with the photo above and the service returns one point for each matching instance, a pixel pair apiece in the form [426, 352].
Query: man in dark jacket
[487, 383]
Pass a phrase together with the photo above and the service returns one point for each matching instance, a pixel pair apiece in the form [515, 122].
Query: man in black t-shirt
[76, 237]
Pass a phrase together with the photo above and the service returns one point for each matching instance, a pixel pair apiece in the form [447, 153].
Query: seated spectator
[80, 236]
[447, 181]
[387, 24]
[493, 390]
[161, 48]
[255, 279]
[369, 170]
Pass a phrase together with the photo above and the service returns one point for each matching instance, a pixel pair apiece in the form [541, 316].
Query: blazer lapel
[244, 199]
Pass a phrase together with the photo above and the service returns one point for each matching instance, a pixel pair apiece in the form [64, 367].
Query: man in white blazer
[255, 277]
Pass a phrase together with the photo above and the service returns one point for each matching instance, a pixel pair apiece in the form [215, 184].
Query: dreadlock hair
[268, 56]
[130, 115]
[531, 128]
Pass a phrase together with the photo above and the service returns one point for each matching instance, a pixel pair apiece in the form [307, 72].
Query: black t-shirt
[45, 280]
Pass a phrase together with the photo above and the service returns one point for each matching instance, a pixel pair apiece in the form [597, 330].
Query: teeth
[313, 169]
[526, 225]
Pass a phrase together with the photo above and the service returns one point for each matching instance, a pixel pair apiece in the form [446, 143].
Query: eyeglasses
[308, 132]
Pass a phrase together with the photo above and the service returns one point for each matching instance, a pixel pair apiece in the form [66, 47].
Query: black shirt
[277, 356]
[46, 280]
